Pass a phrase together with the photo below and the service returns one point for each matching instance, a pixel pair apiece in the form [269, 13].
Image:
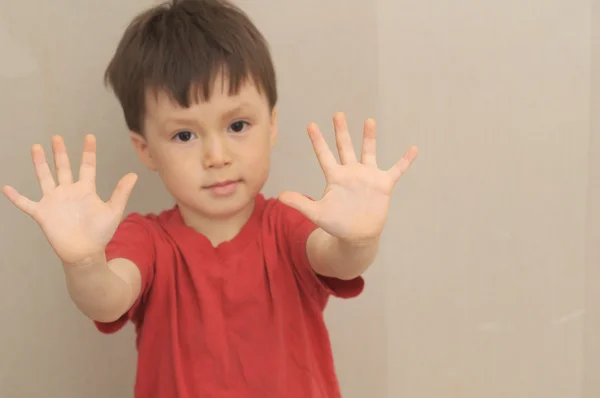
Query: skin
[228, 138]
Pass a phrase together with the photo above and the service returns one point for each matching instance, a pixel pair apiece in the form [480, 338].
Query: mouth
[223, 188]
[222, 184]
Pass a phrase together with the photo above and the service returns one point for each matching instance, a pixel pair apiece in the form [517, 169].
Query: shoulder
[149, 220]
[138, 227]
[287, 222]
[139, 237]
[277, 211]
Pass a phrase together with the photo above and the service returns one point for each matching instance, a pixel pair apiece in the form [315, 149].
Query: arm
[333, 257]
[104, 291]
[79, 226]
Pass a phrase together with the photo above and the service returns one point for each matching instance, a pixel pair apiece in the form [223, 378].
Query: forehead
[160, 105]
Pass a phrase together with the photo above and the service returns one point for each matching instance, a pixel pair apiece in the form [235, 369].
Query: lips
[222, 184]
[223, 188]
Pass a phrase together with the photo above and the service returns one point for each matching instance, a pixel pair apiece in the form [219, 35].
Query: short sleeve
[132, 241]
[297, 228]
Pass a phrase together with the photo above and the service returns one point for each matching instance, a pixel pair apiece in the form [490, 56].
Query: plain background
[488, 283]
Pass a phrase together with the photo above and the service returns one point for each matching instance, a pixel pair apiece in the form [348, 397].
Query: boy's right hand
[76, 221]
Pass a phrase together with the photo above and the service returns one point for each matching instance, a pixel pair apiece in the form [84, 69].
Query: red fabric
[242, 320]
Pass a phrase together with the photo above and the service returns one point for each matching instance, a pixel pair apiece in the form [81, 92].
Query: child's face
[213, 157]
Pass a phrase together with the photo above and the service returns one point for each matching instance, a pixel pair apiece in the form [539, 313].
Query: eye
[238, 127]
[183, 136]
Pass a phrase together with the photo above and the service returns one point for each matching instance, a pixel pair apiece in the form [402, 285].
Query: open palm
[76, 221]
[356, 200]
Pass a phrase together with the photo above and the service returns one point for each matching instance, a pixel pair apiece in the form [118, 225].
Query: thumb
[24, 204]
[120, 196]
[301, 203]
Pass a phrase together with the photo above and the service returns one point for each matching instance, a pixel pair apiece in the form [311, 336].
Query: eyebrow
[177, 120]
[243, 106]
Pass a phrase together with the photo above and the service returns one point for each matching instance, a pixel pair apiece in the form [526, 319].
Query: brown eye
[183, 136]
[237, 127]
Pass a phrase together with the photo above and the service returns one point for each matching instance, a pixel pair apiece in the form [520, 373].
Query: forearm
[334, 257]
[97, 291]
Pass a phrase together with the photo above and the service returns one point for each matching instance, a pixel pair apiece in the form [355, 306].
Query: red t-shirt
[242, 320]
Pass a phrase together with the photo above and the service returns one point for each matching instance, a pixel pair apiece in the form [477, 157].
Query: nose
[216, 151]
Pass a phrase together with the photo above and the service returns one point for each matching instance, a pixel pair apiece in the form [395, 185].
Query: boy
[226, 289]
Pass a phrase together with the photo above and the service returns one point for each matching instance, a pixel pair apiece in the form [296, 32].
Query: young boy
[226, 289]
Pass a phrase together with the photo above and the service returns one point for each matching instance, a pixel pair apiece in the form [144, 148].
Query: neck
[217, 230]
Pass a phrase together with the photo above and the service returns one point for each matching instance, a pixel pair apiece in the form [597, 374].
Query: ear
[274, 127]
[141, 148]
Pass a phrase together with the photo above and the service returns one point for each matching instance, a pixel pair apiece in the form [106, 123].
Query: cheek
[258, 168]
[254, 160]
[177, 170]
[257, 156]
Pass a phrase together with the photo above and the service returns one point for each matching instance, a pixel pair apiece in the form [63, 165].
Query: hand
[76, 222]
[354, 206]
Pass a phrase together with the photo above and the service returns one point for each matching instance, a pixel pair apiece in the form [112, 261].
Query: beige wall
[487, 282]
[486, 297]
[591, 384]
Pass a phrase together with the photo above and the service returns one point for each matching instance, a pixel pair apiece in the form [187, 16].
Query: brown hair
[180, 48]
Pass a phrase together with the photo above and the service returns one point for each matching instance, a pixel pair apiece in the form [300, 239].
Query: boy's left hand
[354, 206]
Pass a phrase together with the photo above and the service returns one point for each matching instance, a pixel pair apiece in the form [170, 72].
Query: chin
[227, 207]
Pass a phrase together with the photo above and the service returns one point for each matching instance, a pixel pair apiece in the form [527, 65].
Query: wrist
[357, 256]
[91, 263]
[362, 243]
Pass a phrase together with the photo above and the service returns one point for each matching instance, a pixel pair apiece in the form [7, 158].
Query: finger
[87, 171]
[343, 139]
[368, 155]
[24, 204]
[301, 203]
[324, 155]
[42, 170]
[64, 175]
[397, 170]
[120, 196]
